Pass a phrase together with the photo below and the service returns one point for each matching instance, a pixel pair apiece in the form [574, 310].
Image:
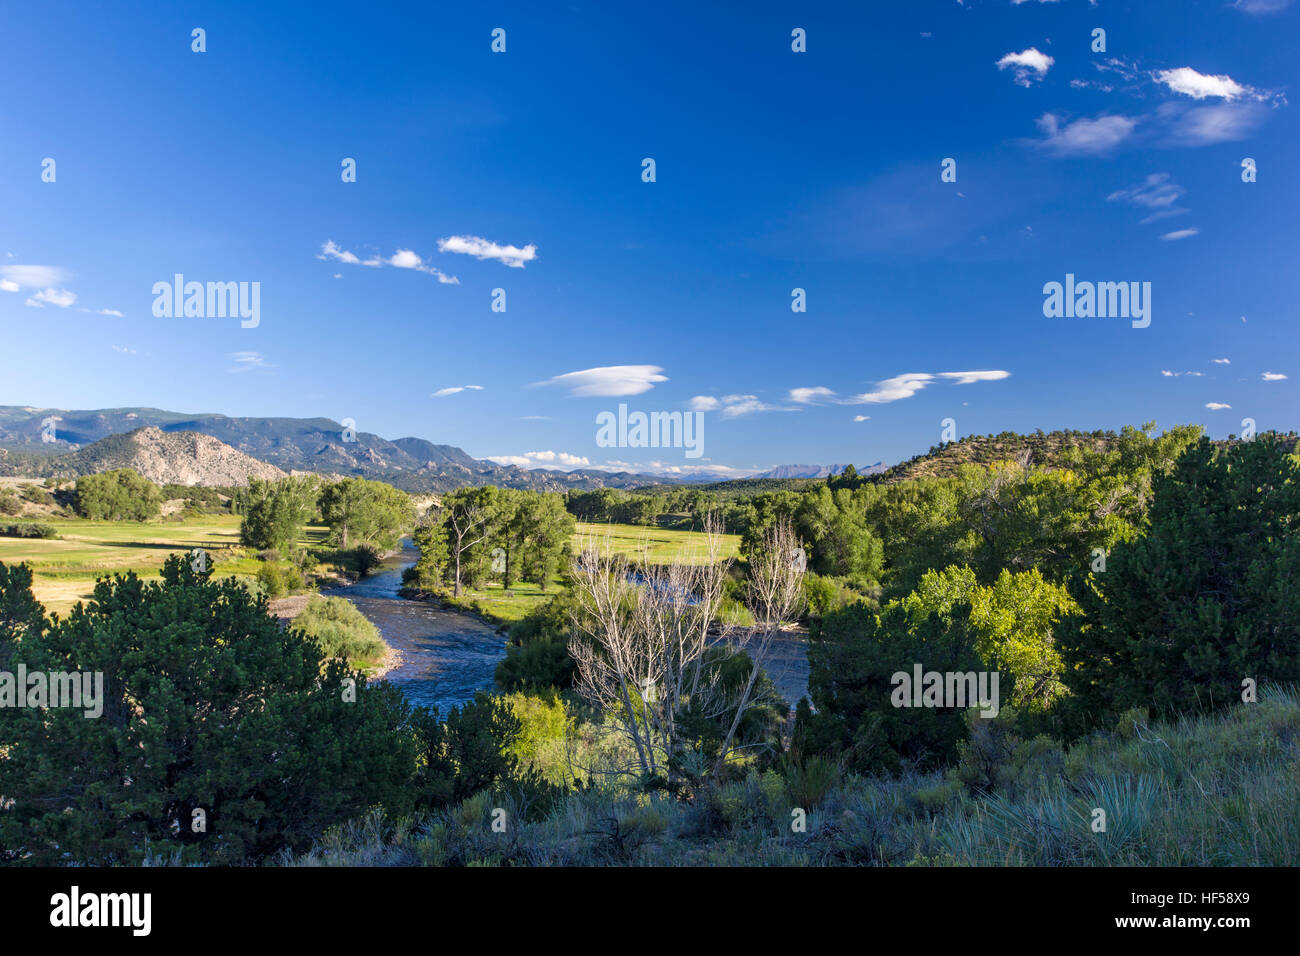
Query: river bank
[287, 608]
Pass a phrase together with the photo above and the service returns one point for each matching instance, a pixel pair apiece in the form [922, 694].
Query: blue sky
[775, 170]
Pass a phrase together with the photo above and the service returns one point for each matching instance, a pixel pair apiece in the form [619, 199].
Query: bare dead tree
[775, 599]
[641, 640]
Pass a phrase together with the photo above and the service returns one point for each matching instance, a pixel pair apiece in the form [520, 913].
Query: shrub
[340, 629]
[121, 495]
[248, 725]
[28, 530]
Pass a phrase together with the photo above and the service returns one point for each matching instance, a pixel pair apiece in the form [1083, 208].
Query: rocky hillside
[180, 458]
[318, 445]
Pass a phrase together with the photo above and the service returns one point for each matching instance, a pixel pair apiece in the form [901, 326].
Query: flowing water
[448, 655]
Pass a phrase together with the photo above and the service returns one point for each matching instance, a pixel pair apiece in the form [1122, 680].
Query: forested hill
[1056, 449]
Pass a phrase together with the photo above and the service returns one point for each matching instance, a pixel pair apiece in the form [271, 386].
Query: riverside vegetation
[1138, 599]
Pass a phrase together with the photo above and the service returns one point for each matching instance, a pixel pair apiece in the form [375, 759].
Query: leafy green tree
[853, 654]
[1207, 596]
[208, 705]
[274, 512]
[359, 510]
[121, 495]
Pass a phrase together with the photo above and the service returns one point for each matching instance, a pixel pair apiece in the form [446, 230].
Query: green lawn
[664, 544]
[64, 569]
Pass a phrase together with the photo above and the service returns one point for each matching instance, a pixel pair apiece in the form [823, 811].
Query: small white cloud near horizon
[452, 390]
[1216, 406]
[113, 312]
[1168, 374]
[1028, 66]
[247, 361]
[1273, 376]
[1222, 361]
[541, 459]
[480, 248]
[609, 381]
[1181, 234]
[862, 418]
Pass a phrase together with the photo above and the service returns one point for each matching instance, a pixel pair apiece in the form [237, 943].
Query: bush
[121, 495]
[9, 503]
[340, 629]
[28, 530]
[249, 725]
[277, 581]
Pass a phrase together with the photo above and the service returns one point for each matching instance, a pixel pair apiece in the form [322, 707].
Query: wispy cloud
[609, 381]
[1222, 361]
[1181, 234]
[1273, 376]
[512, 256]
[1158, 192]
[1261, 7]
[453, 389]
[401, 259]
[896, 388]
[247, 361]
[60, 297]
[1168, 374]
[1216, 406]
[810, 396]
[1027, 66]
[1083, 137]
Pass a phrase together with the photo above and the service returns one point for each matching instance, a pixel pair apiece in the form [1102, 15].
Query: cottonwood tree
[641, 642]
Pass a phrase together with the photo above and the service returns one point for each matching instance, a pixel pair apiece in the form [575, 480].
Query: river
[448, 655]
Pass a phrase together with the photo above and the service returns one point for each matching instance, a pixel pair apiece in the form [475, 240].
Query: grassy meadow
[65, 568]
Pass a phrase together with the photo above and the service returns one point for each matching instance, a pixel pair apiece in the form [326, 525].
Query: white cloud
[862, 418]
[1261, 7]
[1168, 374]
[1027, 65]
[1199, 86]
[1207, 125]
[33, 277]
[1157, 193]
[1181, 234]
[247, 361]
[452, 390]
[908, 384]
[808, 396]
[8, 285]
[704, 403]
[1272, 376]
[60, 297]
[401, 259]
[969, 378]
[113, 312]
[123, 349]
[610, 380]
[1222, 361]
[542, 459]
[898, 387]
[1084, 137]
[480, 248]
[1216, 406]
